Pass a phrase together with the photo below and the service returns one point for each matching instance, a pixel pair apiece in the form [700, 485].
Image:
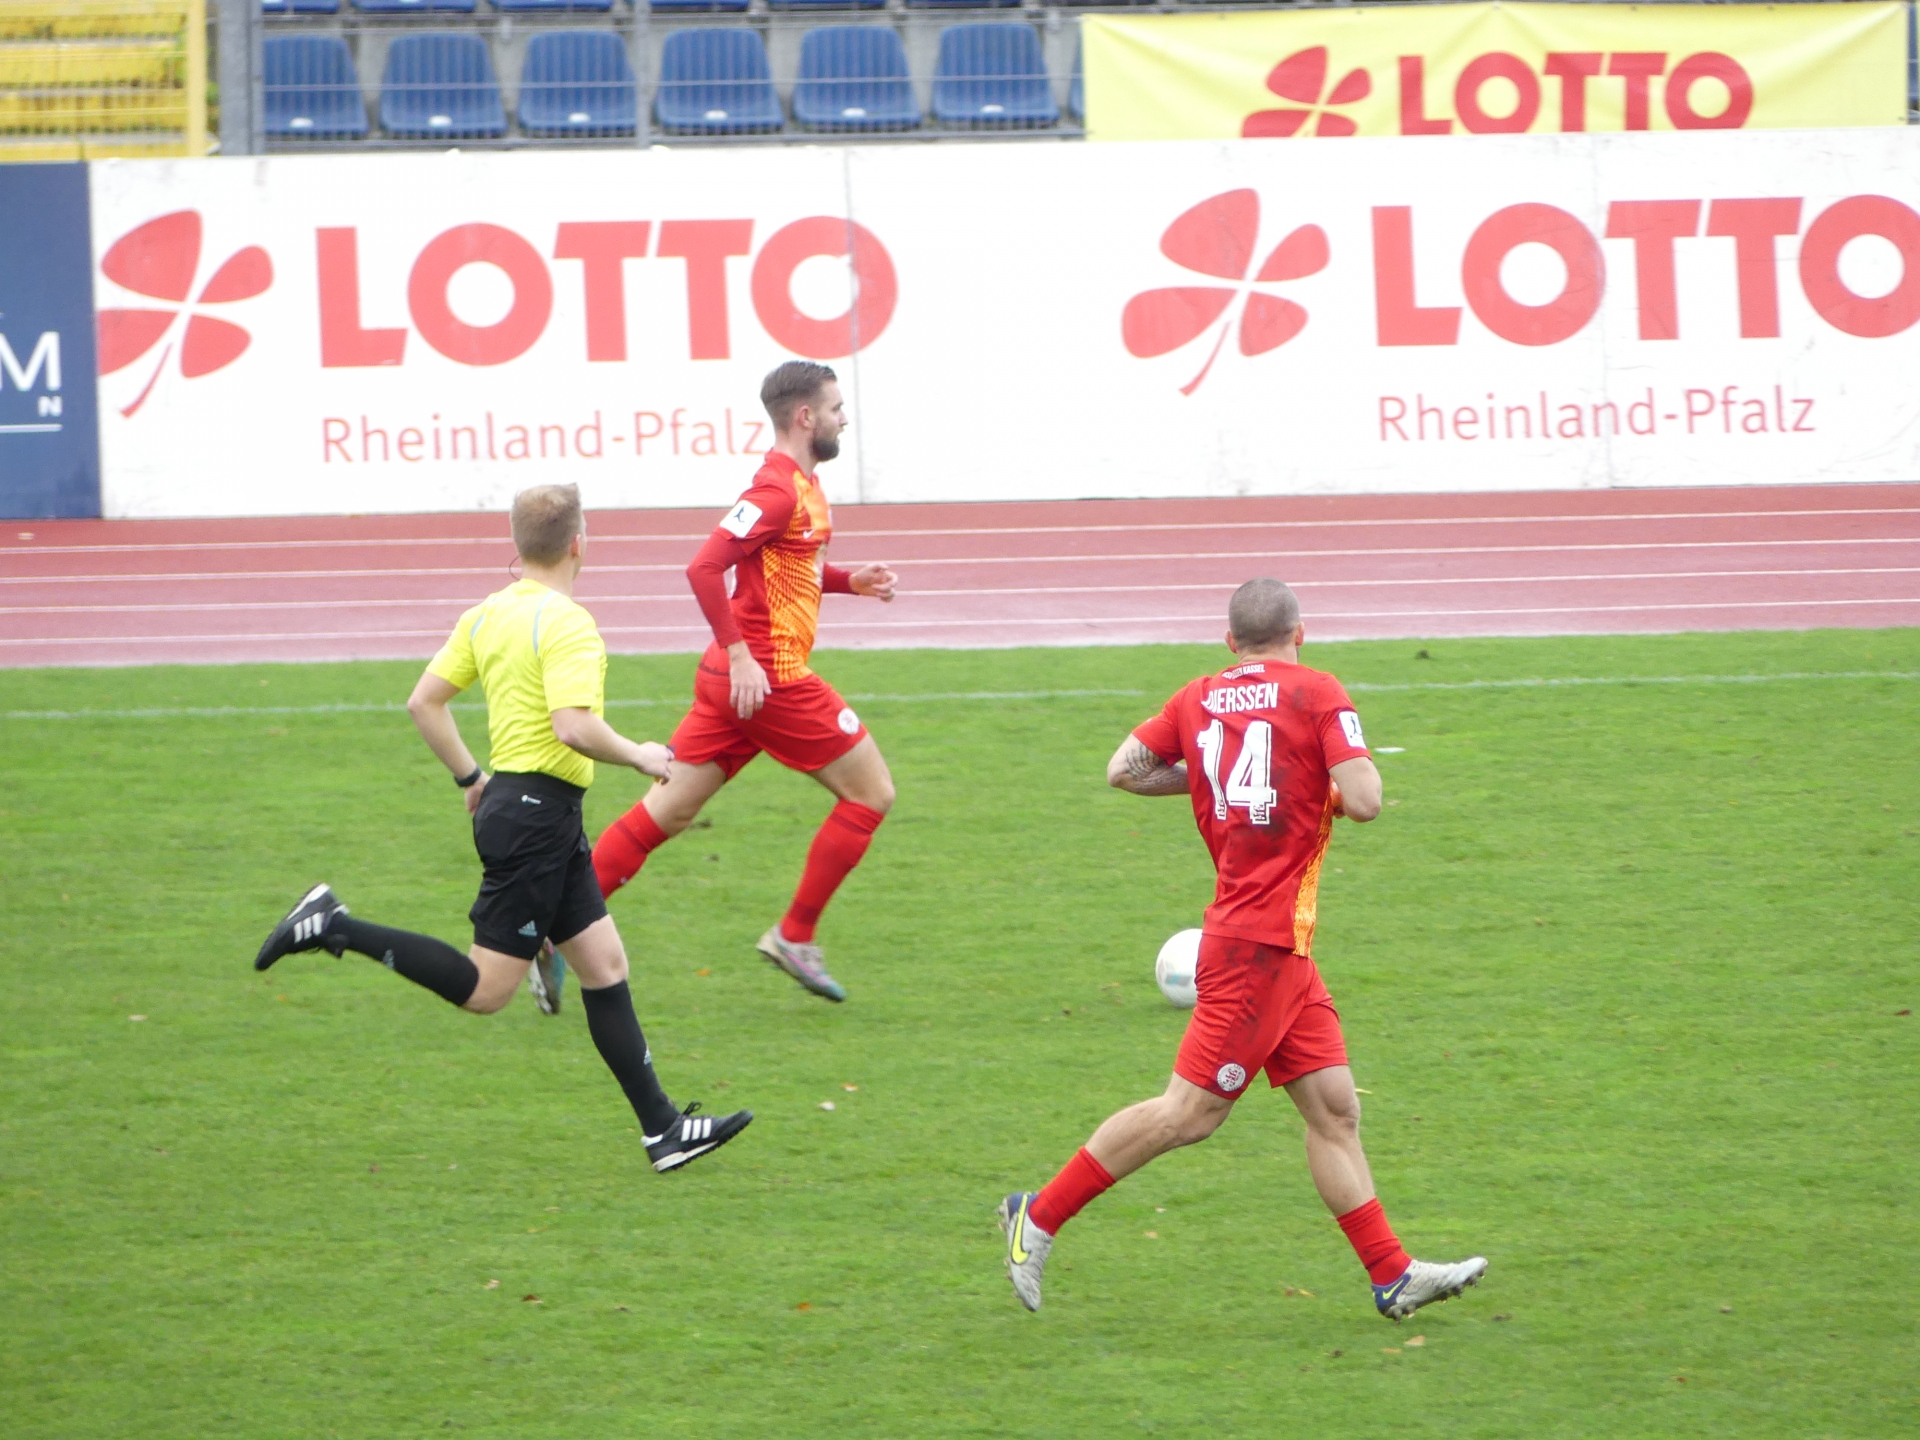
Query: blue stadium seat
[960, 4]
[299, 7]
[992, 76]
[854, 77]
[578, 82]
[520, 7]
[826, 4]
[311, 89]
[716, 82]
[402, 7]
[697, 7]
[441, 87]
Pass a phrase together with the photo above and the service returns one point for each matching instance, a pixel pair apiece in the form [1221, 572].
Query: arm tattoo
[1148, 774]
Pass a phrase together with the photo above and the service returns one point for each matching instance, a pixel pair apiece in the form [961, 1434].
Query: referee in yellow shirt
[541, 662]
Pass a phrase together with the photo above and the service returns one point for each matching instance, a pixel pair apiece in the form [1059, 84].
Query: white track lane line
[1541, 683]
[286, 576]
[159, 547]
[462, 602]
[986, 623]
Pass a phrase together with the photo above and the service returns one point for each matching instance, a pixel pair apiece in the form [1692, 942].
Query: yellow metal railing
[83, 79]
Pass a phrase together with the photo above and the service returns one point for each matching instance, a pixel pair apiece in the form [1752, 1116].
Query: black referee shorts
[539, 882]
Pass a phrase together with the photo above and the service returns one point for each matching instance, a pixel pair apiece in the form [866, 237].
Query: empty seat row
[712, 81]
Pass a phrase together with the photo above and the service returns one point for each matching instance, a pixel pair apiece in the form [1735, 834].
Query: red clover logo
[1216, 237]
[160, 260]
[1302, 78]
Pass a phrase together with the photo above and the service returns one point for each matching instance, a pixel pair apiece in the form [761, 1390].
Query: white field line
[1360, 686]
[221, 711]
[1296, 557]
[682, 598]
[981, 623]
[164, 547]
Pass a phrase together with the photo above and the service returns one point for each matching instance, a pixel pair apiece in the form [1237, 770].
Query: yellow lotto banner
[1494, 69]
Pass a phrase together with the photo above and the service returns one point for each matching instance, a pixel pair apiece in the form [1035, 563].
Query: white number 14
[1250, 785]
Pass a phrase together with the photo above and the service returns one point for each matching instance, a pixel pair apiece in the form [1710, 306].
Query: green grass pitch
[1624, 967]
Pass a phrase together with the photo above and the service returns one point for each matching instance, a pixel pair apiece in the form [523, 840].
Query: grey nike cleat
[1027, 1247]
[548, 977]
[303, 928]
[803, 963]
[1423, 1283]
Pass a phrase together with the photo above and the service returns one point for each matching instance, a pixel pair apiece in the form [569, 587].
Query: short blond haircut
[1263, 612]
[545, 520]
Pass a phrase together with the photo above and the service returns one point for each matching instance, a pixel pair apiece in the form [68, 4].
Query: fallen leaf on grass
[491, 1285]
[804, 1305]
[1389, 1349]
[373, 1169]
[532, 1300]
[1335, 1354]
[1151, 1234]
[1415, 1342]
[1726, 1309]
[1680, 1379]
[703, 972]
[849, 1088]
[1503, 1317]
[1159, 1209]
[1308, 1293]
[623, 1309]
[1903, 1012]
[826, 1105]
[136, 1017]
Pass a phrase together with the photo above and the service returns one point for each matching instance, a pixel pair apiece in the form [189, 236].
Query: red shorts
[1261, 1008]
[805, 725]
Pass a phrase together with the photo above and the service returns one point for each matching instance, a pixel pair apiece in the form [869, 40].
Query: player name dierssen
[1237, 698]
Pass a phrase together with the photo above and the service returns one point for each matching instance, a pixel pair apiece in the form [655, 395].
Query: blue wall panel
[49, 433]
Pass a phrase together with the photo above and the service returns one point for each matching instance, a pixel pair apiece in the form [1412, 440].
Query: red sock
[623, 849]
[1067, 1194]
[1373, 1241]
[843, 838]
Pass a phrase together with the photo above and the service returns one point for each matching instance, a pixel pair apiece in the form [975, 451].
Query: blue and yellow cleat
[1423, 1283]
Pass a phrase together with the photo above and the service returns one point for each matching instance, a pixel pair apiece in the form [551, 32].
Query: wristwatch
[467, 782]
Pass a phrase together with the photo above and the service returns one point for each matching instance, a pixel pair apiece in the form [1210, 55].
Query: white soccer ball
[1173, 970]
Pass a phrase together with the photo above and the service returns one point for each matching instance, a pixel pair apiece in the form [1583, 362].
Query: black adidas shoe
[693, 1136]
[304, 928]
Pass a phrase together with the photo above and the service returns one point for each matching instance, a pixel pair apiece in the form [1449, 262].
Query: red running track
[102, 592]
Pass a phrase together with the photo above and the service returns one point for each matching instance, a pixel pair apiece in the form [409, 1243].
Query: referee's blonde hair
[545, 520]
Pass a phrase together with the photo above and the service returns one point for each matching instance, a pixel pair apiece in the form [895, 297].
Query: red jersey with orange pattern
[1258, 741]
[774, 540]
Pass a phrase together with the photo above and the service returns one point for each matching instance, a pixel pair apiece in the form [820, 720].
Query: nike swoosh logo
[1392, 1292]
[1015, 1249]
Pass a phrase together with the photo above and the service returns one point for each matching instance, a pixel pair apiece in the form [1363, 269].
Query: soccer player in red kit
[1270, 752]
[754, 690]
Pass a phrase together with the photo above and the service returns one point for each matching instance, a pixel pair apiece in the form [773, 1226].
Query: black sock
[616, 1031]
[421, 958]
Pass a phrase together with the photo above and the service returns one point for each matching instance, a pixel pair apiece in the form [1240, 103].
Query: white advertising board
[427, 332]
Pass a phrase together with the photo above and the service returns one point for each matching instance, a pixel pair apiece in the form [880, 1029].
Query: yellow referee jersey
[534, 652]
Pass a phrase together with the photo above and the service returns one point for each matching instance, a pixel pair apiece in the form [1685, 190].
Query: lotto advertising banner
[1494, 69]
[49, 445]
[1013, 322]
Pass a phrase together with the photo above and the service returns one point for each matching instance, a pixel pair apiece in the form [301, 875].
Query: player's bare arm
[1359, 783]
[580, 729]
[431, 717]
[1137, 770]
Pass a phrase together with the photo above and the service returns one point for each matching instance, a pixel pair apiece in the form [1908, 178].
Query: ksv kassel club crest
[1217, 238]
[160, 260]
